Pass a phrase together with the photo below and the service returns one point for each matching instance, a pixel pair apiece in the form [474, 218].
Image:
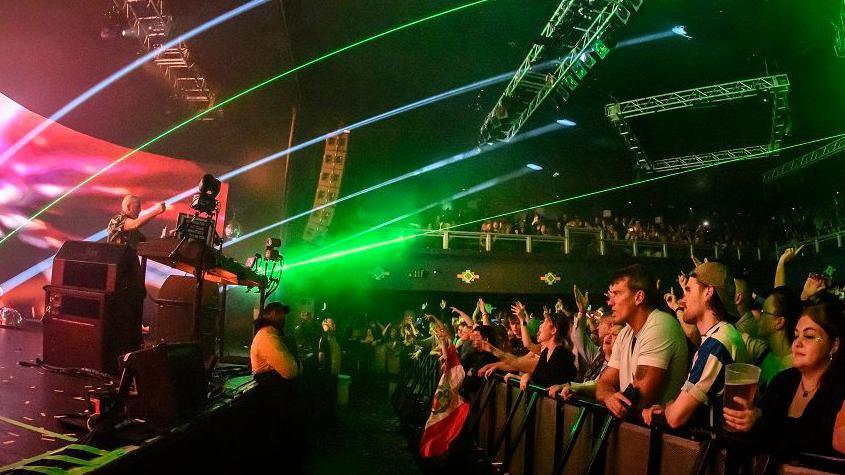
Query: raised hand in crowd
[682, 280]
[559, 306]
[789, 253]
[518, 309]
[442, 304]
[466, 318]
[482, 307]
[671, 300]
[582, 300]
[814, 284]
[780, 272]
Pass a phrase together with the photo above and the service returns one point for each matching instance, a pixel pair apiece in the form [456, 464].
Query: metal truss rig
[574, 33]
[776, 86]
[149, 22]
[828, 150]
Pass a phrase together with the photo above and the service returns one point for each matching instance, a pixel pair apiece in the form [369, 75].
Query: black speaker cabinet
[97, 266]
[165, 383]
[174, 318]
[89, 329]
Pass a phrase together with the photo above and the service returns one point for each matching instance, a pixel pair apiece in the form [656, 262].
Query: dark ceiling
[51, 51]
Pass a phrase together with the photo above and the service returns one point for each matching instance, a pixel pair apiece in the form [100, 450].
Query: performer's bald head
[131, 206]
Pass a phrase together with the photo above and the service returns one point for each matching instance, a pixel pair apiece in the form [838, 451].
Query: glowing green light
[367, 247]
[347, 252]
[235, 97]
[580, 71]
[601, 49]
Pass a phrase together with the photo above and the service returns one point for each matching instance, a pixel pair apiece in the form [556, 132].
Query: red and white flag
[448, 409]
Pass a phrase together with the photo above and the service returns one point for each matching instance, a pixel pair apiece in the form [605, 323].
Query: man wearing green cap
[708, 303]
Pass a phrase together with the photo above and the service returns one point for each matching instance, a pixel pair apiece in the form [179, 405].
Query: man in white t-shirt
[649, 359]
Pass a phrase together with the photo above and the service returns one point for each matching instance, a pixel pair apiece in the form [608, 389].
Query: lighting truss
[150, 23]
[792, 166]
[697, 160]
[574, 34]
[777, 87]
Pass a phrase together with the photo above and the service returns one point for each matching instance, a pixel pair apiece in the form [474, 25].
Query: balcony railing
[577, 241]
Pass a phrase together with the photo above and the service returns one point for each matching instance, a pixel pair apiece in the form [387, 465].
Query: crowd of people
[657, 357]
[661, 358]
[783, 226]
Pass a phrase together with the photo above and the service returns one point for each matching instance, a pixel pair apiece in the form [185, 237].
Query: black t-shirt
[558, 369]
[780, 434]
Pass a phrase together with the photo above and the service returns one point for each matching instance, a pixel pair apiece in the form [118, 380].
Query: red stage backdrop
[53, 163]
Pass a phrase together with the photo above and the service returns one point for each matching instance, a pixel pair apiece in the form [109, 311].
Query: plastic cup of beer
[740, 380]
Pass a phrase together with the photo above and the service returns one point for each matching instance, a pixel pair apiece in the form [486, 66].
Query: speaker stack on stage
[175, 320]
[94, 306]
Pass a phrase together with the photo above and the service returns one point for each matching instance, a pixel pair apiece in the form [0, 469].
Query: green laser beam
[235, 97]
[338, 254]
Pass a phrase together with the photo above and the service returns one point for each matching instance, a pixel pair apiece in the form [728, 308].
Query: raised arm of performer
[124, 227]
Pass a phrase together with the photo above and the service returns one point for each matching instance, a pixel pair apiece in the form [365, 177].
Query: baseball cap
[718, 276]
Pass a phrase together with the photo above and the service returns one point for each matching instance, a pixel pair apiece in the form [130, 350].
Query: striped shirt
[720, 346]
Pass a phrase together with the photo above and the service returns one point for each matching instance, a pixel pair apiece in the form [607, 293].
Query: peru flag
[448, 409]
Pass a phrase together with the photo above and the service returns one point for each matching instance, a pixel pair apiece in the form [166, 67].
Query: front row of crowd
[658, 360]
[663, 361]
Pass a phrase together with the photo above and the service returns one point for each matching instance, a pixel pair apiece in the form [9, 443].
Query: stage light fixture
[566, 122]
[681, 30]
[205, 201]
[601, 49]
[534, 167]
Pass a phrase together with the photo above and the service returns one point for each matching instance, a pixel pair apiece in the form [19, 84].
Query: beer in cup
[740, 380]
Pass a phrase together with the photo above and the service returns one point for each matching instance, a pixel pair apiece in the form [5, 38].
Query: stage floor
[33, 400]
[33, 403]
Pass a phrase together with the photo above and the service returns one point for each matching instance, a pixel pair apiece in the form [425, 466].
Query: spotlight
[112, 24]
[566, 122]
[271, 249]
[601, 48]
[534, 167]
[681, 30]
[206, 200]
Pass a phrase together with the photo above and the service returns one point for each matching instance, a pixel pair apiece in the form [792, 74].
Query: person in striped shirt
[708, 302]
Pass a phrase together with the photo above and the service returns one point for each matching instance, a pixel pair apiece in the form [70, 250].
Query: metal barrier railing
[527, 432]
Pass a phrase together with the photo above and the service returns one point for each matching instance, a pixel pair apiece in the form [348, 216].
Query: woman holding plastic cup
[802, 409]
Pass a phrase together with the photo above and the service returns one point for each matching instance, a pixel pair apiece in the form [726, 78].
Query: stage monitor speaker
[98, 266]
[89, 329]
[165, 383]
[174, 320]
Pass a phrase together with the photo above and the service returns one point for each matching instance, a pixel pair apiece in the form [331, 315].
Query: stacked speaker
[94, 306]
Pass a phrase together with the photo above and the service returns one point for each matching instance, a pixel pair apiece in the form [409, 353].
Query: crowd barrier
[527, 432]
